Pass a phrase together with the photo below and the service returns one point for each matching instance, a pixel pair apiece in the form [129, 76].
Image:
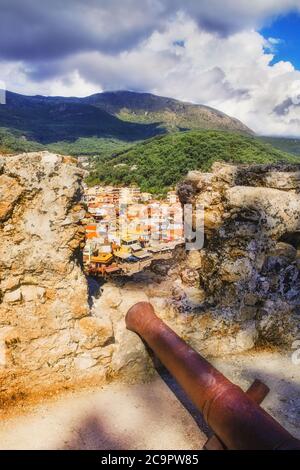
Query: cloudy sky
[240, 56]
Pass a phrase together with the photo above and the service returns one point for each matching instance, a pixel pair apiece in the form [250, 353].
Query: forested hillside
[159, 163]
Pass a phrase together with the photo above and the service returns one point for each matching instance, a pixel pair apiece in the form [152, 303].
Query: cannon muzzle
[236, 419]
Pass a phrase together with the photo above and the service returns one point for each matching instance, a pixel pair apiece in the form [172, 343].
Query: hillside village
[127, 229]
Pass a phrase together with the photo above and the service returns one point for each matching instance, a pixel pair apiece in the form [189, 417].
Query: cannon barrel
[237, 420]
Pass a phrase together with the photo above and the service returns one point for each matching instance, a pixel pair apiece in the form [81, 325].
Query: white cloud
[71, 85]
[183, 58]
[232, 74]
[15, 78]
[35, 30]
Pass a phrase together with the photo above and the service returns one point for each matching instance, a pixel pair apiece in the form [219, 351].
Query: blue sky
[287, 29]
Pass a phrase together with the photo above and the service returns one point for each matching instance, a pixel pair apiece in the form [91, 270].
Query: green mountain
[171, 114]
[133, 138]
[13, 141]
[109, 118]
[50, 119]
[159, 163]
[290, 145]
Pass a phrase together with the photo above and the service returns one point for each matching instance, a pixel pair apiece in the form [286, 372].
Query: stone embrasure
[240, 290]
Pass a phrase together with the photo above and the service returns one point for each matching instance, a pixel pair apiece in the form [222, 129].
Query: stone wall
[249, 266]
[47, 334]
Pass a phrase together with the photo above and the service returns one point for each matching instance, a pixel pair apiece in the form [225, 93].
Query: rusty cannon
[234, 416]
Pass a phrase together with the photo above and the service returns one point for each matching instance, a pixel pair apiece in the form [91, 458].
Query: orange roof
[91, 235]
[91, 228]
[102, 258]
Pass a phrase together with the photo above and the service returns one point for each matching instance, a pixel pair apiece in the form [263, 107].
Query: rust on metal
[257, 392]
[237, 420]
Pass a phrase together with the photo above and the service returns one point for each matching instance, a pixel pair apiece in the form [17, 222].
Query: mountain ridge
[116, 102]
[51, 119]
[123, 115]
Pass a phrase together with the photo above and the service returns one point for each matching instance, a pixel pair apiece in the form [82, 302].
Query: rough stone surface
[249, 266]
[241, 290]
[45, 321]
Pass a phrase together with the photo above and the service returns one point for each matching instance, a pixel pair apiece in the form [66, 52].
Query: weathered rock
[281, 208]
[10, 191]
[246, 337]
[284, 250]
[4, 339]
[13, 296]
[249, 265]
[84, 361]
[97, 332]
[278, 325]
[236, 269]
[190, 277]
[42, 288]
[195, 296]
[194, 260]
[247, 312]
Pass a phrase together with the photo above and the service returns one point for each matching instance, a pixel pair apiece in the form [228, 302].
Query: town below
[128, 229]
